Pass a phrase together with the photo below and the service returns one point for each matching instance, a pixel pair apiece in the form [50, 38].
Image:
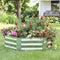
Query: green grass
[9, 54]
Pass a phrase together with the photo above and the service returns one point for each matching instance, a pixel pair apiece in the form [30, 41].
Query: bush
[59, 20]
[53, 19]
[29, 13]
[8, 18]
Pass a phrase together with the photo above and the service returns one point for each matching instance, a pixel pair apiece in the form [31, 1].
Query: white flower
[49, 46]
[29, 35]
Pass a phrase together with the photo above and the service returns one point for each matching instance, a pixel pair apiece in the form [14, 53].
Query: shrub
[53, 19]
[59, 20]
[29, 13]
[8, 18]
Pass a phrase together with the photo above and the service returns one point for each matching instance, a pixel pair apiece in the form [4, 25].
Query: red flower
[38, 34]
[17, 27]
[39, 23]
[49, 33]
[18, 32]
[9, 30]
[16, 24]
[47, 25]
[51, 44]
[31, 26]
[43, 33]
[41, 18]
[49, 36]
[33, 16]
[45, 30]
[52, 40]
[25, 23]
[54, 35]
[14, 28]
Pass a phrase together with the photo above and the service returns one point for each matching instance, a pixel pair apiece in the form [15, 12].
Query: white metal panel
[10, 42]
[49, 42]
[10, 38]
[10, 46]
[31, 44]
[34, 39]
[31, 48]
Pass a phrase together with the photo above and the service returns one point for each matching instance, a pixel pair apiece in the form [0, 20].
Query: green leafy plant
[34, 27]
[8, 18]
[53, 19]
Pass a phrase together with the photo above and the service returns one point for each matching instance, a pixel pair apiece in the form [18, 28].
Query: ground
[9, 54]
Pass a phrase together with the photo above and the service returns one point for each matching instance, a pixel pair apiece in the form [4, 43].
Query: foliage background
[9, 7]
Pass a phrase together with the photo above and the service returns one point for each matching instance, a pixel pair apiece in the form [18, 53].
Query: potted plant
[30, 34]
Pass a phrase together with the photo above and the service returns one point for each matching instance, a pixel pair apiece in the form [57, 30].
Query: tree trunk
[19, 9]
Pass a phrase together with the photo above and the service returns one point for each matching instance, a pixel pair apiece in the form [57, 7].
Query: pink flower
[14, 33]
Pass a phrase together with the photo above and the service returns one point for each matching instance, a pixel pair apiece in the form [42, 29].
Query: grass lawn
[9, 54]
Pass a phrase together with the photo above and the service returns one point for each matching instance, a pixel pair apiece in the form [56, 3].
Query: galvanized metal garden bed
[24, 43]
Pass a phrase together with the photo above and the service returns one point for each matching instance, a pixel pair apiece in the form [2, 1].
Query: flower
[45, 30]
[43, 33]
[38, 34]
[49, 33]
[49, 36]
[39, 23]
[41, 18]
[31, 26]
[16, 24]
[33, 16]
[14, 33]
[47, 24]
[54, 35]
[52, 40]
[9, 30]
[25, 23]
[5, 33]
[2, 30]
[17, 27]
[18, 32]
[14, 28]
[51, 44]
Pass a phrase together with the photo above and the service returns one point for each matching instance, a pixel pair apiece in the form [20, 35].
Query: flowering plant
[33, 27]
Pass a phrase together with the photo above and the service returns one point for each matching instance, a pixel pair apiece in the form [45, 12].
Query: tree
[16, 6]
[19, 9]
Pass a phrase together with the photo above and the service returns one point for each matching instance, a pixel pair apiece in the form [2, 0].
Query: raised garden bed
[25, 43]
[34, 32]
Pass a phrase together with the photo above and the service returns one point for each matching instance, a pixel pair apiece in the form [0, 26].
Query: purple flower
[5, 34]
[14, 33]
[2, 30]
